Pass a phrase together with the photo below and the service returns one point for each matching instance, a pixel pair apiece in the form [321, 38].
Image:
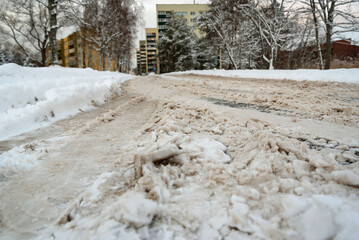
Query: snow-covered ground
[34, 97]
[186, 157]
[334, 75]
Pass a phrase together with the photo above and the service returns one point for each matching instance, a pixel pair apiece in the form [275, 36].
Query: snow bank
[334, 75]
[34, 97]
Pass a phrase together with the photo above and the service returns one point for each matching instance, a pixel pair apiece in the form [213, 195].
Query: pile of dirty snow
[334, 75]
[198, 175]
[34, 97]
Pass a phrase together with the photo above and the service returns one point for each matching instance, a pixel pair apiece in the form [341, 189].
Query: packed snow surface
[34, 97]
[238, 182]
[334, 75]
[194, 157]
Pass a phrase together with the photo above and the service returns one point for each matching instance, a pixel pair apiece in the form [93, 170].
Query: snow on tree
[110, 26]
[32, 26]
[130, 18]
[99, 29]
[10, 53]
[207, 53]
[107, 26]
[3, 58]
[233, 33]
[177, 46]
[27, 24]
[272, 22]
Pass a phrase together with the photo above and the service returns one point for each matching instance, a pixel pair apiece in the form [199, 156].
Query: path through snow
[193, 157]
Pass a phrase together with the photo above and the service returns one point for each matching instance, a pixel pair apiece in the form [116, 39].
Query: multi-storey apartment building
[74, 51]
[188, 11]
[164, 14]
[147, 54]
[141, 58]
[152, 60]
[138, 58]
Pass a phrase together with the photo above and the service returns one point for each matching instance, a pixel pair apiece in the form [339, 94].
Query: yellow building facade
[188, 11]
[152, 60]
[74, 51]
[147, 53]
[141, 58]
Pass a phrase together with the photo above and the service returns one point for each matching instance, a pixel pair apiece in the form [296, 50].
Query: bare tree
[272, 21]
[27, 24]
[316, 29]
[334, 16]
[234, 33]
[100, 22]
[309, 6]
[328, 11]
[32, 25]
[107, 26]
[129, 18]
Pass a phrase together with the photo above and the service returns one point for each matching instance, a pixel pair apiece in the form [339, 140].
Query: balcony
[164, 15]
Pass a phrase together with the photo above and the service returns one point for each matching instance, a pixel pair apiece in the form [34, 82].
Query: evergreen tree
[177, 46]
[207, 53]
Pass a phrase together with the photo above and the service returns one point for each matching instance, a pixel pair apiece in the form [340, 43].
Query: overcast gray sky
[150, 12]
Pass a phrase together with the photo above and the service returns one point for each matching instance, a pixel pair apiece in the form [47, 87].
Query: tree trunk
[231, 57]
[52, 5]
[271, 66]
[329, 29]
[43, 57]
[316, 25]
[328, 51]
[89, 48]
[103, 60]
[319, 49]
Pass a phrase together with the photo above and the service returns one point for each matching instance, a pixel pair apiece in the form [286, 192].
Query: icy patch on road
[28, 155]
[333, 75]
[34, 97]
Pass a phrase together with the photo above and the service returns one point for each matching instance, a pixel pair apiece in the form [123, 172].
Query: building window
[181, 13]
[201, 12]
[193, 13]
[193, 20]
[161, 13]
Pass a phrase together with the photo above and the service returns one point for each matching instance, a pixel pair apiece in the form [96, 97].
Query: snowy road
[193, 157]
